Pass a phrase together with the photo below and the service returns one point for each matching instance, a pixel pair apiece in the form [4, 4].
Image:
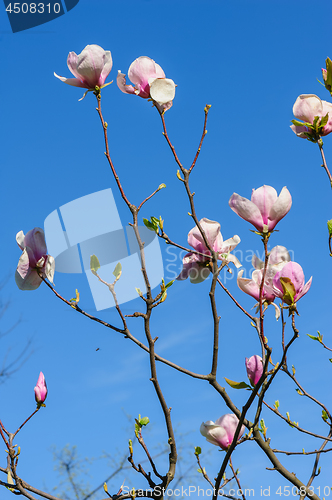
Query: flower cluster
[93, 65]
[278, 258]
[283, 279]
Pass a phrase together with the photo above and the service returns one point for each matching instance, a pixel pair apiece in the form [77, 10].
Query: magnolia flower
[265, 209]
[197, 266]
[288, 284]
[34, 260]
[149, 80]
[90, 68]
[40, 389]
[221, 432]
[306, 108]
[278, 258]
[254, 366]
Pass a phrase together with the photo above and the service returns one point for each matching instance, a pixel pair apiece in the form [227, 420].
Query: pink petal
[278, 254]
[306, 107]
[229, 422]
[72, 60]
[248, 286]
[264, 198]
[23, 264]
[247, 210]
[213, 433]
[188, 262]
[305, 289]
[35, 243]
[121, 83]
[30, 282]
[71, 81]
[294, 272]
[300, 131]
[233, 259]
[108, 64]
[280, 208]
[230, 244]
[212, 233]
[141, 70]
[327, 108]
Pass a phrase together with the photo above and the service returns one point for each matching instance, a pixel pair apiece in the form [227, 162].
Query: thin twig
[107, 154]
[236, 478]
[236, 302]
[320, 144]
[206, 111]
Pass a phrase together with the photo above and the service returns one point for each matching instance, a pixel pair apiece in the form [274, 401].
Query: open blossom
[194, 265]
[306, 108]
[33, 260]
[40, 389]
[288, 284]
[90, 68]
[265, 209]
[149, 80]
[254, 366]
[221, 432]
[278, 258]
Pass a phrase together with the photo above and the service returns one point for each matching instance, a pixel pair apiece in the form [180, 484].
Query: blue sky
[249, 60]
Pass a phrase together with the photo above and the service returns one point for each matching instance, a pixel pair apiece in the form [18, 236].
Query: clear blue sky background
[250, 60]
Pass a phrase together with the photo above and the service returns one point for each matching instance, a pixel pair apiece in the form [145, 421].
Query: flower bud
[254, 367]
[40, 390]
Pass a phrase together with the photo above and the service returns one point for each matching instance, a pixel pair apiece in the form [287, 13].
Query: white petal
[162, 90]
[20, 239]
[50, 268]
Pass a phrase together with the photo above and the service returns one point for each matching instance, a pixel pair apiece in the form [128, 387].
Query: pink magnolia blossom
[33, 260]
[278, 257]
[254, 366]
[90, 68]
[40, 389]
[306, 108]
[221, 432]
[265, 209]
[150, 82]
[288, 284]
[195, 266]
